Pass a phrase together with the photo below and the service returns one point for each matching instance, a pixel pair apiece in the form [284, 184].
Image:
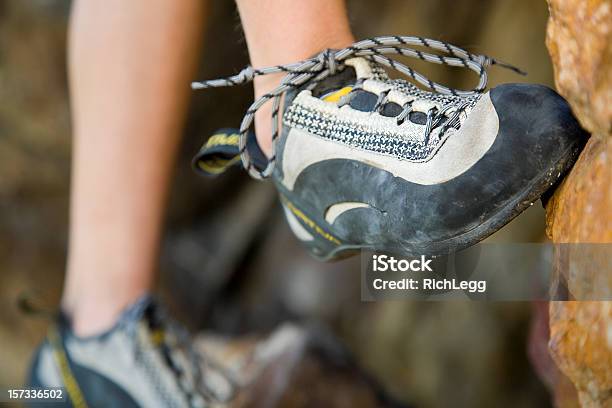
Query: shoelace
[434, 117]
[196, 360]
[176, 346]
[328, 62]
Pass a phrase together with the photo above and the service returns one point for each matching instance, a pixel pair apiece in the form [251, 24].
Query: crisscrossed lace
[161, 334]
[328, 62]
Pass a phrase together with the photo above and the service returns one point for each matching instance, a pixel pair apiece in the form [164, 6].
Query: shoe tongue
[358, 70]
[366, 69]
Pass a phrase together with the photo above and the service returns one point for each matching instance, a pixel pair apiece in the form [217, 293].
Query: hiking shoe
[363, 161]
[145, 360]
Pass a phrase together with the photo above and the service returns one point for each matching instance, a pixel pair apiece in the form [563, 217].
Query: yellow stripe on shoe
[218, 153]
[335, 96]
[72, 386]
[223, 139]
[217, 166]
[309, 222]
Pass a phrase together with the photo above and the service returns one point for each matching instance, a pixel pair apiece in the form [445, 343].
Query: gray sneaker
[145, 360]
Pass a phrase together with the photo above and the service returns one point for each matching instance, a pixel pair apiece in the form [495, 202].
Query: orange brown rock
[579, 40]
[580, 208]
[581, 348]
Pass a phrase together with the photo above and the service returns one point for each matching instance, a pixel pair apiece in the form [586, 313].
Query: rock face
[579, 40]
[579, 211]
[581, 348]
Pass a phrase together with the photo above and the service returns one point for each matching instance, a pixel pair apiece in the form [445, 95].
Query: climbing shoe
[363, 161]
[149, 360]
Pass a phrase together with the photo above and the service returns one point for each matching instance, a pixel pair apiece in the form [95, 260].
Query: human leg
[129, 66]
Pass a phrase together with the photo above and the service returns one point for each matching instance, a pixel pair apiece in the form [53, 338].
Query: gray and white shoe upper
[404, 149]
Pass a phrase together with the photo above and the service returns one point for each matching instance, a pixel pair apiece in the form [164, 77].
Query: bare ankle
[90, 316]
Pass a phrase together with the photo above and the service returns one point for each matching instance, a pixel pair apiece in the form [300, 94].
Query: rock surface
[579, 40]
[580, 209]
[581, 347]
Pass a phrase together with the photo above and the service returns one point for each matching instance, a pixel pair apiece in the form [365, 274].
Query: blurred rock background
[229, 262]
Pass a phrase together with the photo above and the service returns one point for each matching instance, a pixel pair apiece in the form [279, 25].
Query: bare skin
[285, 31]
[130, 64]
